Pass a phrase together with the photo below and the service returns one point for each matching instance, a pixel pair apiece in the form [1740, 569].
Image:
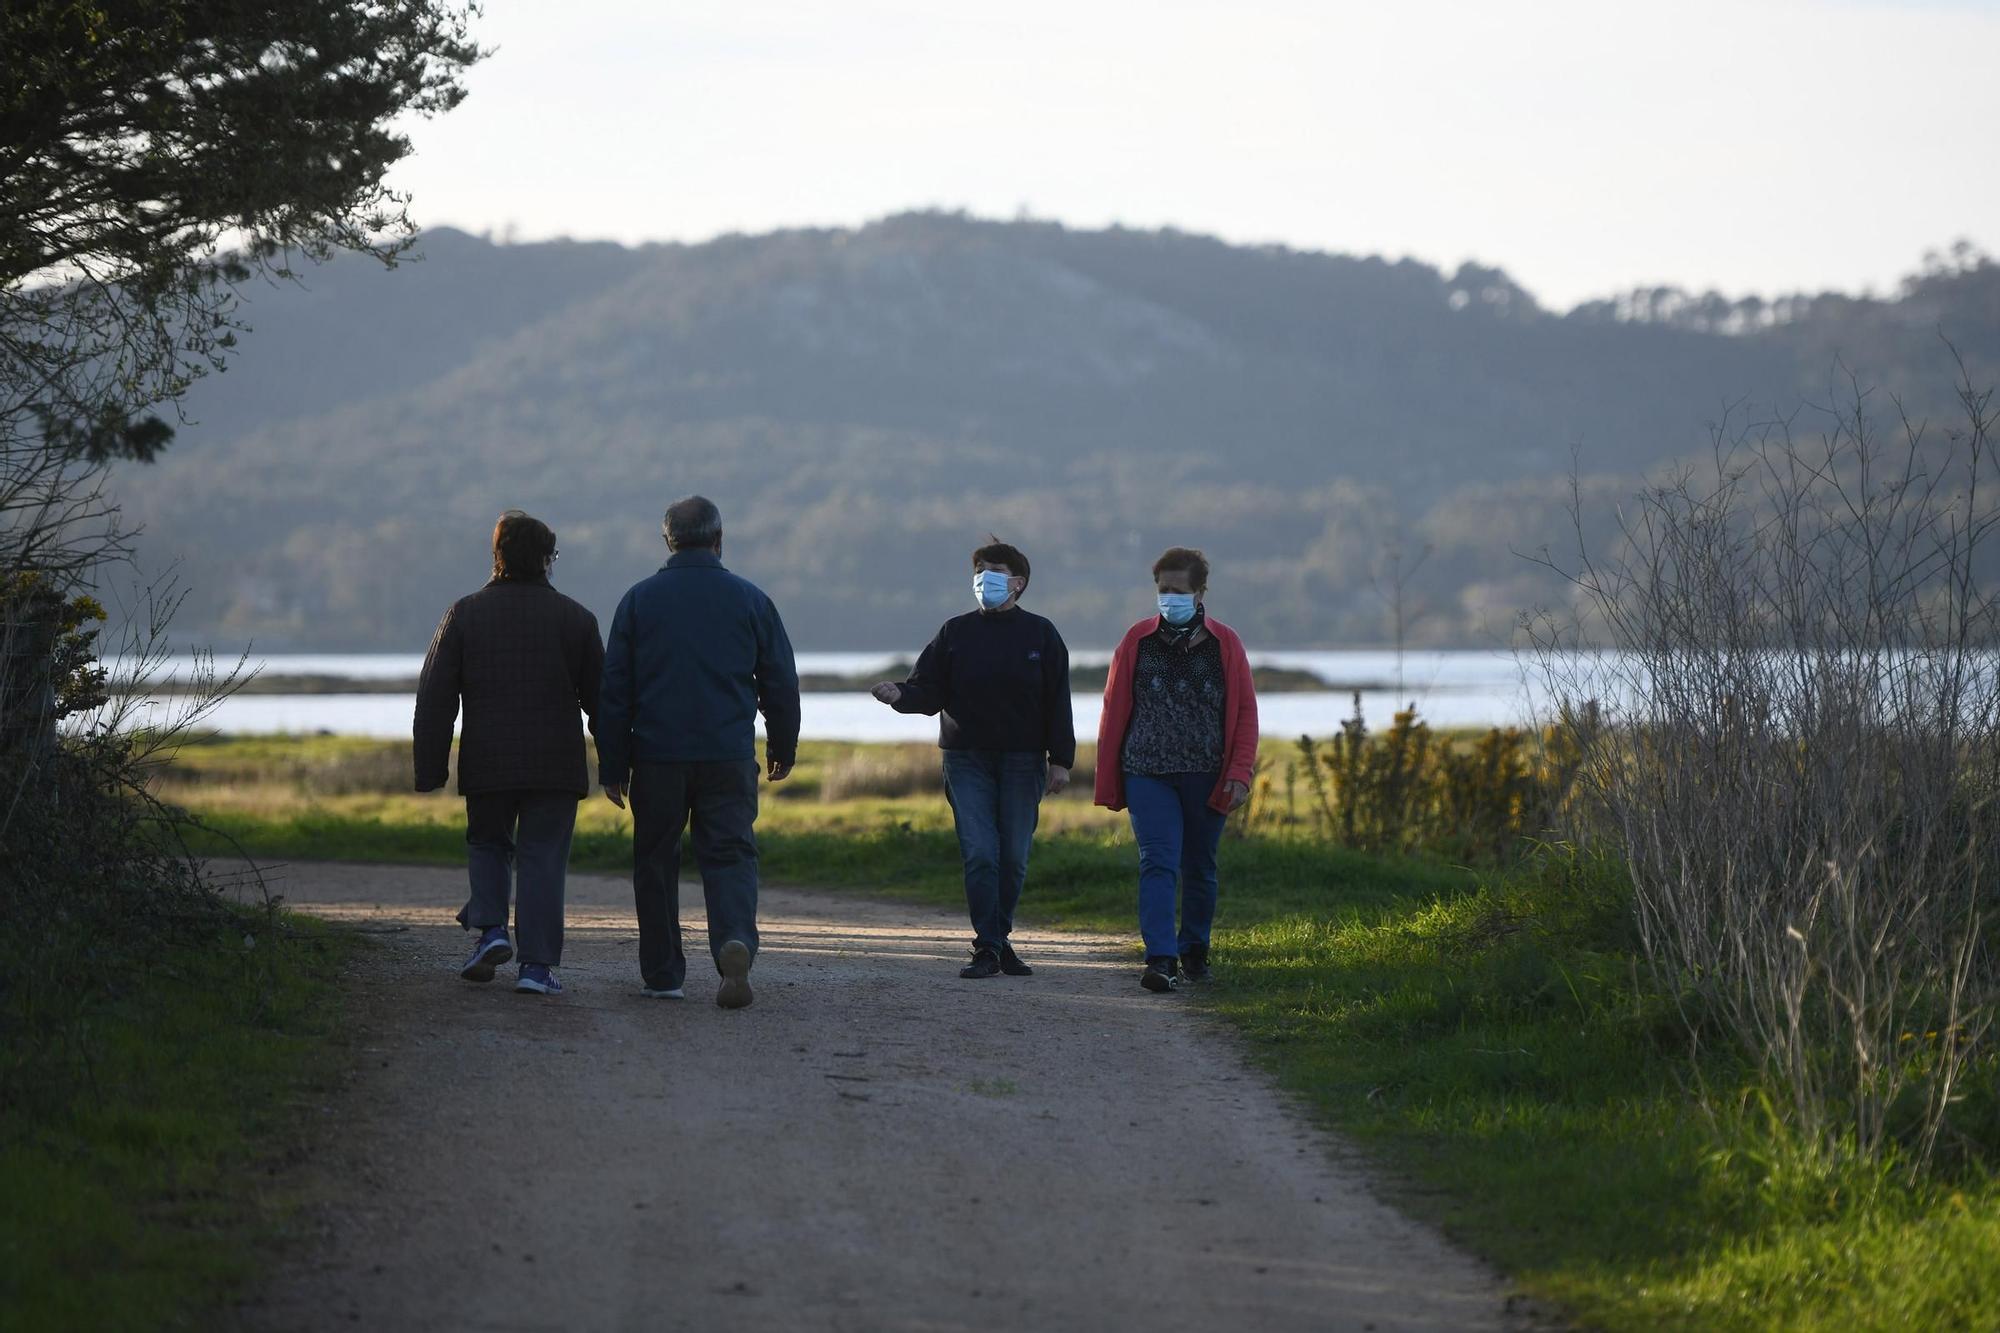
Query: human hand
[615, 793]
[1058, 779]
[888, 691]
[1237, 792]
[778, 772]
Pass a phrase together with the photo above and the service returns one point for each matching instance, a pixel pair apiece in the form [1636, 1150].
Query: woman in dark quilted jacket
[525, 661]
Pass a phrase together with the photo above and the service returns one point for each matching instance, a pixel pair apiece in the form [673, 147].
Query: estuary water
[1450, 689]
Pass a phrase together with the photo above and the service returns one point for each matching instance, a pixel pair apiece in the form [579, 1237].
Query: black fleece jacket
[1000, 679]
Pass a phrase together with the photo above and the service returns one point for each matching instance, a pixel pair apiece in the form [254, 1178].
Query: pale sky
[1586, 146]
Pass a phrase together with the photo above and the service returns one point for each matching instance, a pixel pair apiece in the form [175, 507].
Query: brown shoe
[734, 960]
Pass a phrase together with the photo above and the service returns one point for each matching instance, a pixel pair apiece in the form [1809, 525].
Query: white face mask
[990, 588]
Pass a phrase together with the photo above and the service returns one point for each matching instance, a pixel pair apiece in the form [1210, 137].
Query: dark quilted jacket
[525, 659]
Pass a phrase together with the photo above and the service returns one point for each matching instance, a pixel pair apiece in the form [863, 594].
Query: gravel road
[874, 1144]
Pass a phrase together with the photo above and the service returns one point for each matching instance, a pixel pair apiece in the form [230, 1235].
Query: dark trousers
[517, 847]
[720, 801]
[996, 801]
[1178, 834]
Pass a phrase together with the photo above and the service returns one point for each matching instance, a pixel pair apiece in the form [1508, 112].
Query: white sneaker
[675, 994]
[734, 962]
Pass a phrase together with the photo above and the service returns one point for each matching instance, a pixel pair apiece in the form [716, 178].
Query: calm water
[1455, 689]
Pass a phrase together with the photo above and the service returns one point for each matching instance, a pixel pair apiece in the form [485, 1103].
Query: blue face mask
[1177, 608]
[989, 588]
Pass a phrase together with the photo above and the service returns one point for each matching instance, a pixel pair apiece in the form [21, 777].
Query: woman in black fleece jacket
[998, 679]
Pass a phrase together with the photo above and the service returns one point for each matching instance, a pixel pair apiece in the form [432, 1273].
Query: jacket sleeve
[928, 689]
[1240, 764]
[1111, 723]
[590, 677]
[1057, 716]
[614, 701]
[777, 688]
[437, 703]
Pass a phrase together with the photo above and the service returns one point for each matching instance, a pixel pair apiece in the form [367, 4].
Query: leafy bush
[1409, 790]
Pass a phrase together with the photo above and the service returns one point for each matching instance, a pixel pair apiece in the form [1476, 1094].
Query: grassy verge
[1498, 1044]
[1490, 1037]
[139, 1162]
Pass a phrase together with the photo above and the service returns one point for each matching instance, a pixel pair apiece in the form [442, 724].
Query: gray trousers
[720, 801]
[517, 847]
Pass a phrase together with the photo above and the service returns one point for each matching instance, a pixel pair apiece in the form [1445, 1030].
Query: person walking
[695, 653]
[525, 661]
[997, 677]
[1176, 748]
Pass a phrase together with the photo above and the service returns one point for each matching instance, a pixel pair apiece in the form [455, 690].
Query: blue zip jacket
[695, 653]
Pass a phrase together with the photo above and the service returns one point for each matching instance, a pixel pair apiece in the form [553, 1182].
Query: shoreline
[1084, 679]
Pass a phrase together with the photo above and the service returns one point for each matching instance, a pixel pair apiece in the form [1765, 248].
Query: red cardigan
[1239, 715]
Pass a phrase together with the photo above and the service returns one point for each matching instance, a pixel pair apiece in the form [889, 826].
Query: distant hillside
[866, 405]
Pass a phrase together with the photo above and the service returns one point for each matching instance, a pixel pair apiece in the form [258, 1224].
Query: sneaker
[663, 993]
[985, 963]
[537, 979]
[493, 949]
[1194, 963]
[1159, 974]
[1011, 964]
[734, 960]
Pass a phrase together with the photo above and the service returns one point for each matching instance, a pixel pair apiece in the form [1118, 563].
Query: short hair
[1184, 558]
[522, 546]
[997, 552]
[692, 524]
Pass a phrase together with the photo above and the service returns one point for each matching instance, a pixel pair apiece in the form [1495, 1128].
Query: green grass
[142, 1185]
[1498, 1045]
[1082, 878]
[1489, 1037]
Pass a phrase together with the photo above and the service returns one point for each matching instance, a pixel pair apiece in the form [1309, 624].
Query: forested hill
[867, 405]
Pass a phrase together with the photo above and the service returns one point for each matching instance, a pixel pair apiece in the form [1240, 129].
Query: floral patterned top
[1177, 698]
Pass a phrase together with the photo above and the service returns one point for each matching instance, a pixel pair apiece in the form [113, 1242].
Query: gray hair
[692, 524]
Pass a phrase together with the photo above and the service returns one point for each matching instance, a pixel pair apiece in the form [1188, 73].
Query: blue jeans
[996, 801]
[517, 847]
[1178, 834]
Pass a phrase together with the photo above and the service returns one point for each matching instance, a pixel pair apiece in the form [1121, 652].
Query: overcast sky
[1586, 146]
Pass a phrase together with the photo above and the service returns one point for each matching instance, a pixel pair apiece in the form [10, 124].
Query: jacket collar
[1224, 635]
[693, 560]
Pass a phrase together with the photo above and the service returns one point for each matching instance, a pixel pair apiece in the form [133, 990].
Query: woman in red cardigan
[1176, 748]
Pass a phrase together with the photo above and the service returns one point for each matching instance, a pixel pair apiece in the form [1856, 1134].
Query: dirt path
[874, 1144]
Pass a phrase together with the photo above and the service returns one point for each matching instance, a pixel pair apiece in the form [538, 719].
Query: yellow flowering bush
[1407, 789]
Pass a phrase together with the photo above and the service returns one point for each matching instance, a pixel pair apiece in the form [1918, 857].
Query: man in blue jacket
[695, 653]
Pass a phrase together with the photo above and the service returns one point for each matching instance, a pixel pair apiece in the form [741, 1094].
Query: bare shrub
[1799, 752]
[94, 866]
